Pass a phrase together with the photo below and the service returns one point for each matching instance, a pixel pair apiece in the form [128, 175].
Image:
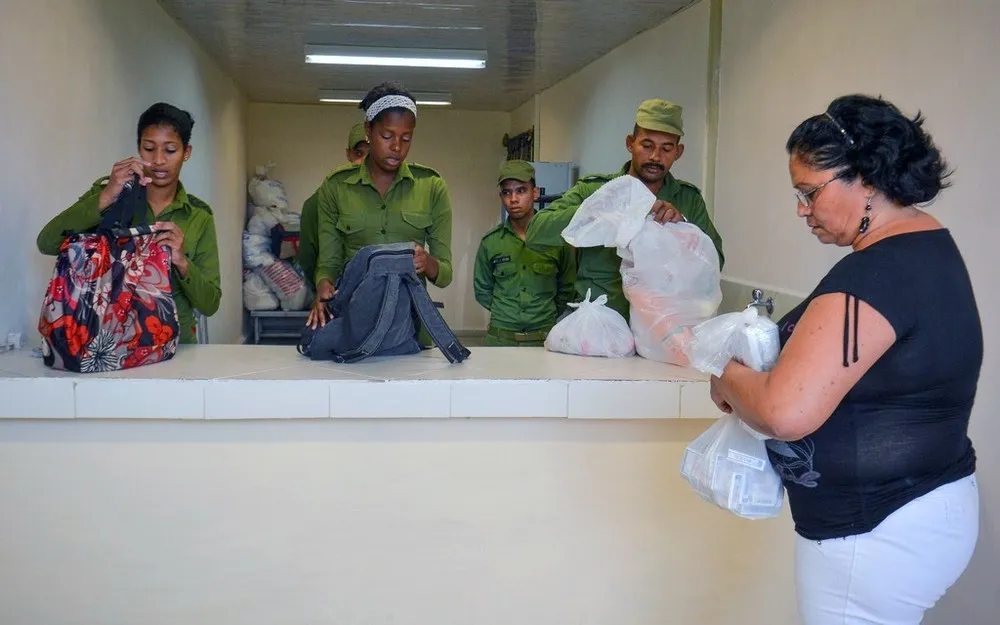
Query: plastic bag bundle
[592, 329]
[291, 288]
[267, 193]
[728, 464]
[670, 276]
[257, 251]
[746, 336]
[256, 294]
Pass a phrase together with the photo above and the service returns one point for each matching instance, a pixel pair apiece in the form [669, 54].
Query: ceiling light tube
[336, 96]
[396, 57]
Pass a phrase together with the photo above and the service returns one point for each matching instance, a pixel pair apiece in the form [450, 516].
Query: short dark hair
[869, 137]
[163, 114]
[379, 92]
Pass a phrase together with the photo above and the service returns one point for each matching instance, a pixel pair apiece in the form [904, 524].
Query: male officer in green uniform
[357, 150]
[655, 145]
[525, 290]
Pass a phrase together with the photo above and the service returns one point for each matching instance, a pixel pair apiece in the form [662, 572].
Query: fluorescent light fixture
[335, 96]
[396, 57]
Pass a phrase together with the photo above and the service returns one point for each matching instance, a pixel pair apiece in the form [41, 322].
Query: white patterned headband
[390, 102]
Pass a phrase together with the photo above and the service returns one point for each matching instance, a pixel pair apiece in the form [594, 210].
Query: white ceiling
[531, 44]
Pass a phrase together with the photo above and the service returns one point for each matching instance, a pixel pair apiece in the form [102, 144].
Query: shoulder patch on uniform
[343, 168]
[197, 202]
[598, 177]
[493, 230]
[417, 167]
[691, 185]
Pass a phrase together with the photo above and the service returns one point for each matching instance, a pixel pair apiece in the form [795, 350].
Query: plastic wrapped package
[592, 329]
[670, 276]
[728, 466]
[256, 294]
[265, 192]
[747, 336]
[262, 221]
[257, 251]
[291, 288]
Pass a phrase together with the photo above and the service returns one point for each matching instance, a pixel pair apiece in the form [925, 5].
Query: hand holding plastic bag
[592, 329]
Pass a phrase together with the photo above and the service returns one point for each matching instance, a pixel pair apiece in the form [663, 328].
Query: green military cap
[357, 135]
[661, 116]
[516, 170]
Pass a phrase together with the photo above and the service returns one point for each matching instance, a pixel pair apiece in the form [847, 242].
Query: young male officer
[525, 290]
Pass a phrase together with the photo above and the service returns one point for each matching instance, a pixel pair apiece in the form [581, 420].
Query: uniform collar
[181, 201]
[670, 183]
[363, 176]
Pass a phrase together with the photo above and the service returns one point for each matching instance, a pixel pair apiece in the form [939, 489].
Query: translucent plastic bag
[256, 294]
[265, 192]
[612, 216]
[256, 251]
[728, 466]
[592, 329]
[670, 276]
[747, 337]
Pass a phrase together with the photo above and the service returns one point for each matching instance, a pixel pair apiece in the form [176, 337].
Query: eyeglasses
[805, 198]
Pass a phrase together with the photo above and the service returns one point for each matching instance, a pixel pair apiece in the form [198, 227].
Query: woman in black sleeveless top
[869, 403]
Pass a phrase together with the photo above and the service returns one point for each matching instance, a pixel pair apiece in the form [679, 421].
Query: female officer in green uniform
[382, 200]
[185, 222]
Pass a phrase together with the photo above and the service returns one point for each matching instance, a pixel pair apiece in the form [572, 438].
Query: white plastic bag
[256, 251]
[611, 216]
[592, 329]
[670, 276]
[262, 220]
[728, 466]
[256, 294]
[747, 336]
[266, 192]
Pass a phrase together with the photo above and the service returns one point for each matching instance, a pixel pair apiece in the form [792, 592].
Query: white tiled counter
[239, 485]
[272, 382]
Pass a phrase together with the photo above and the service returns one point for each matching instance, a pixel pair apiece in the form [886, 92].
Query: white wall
[465, 147]
[374, 522]
[76, 76]
[585, 118]
[783, 61]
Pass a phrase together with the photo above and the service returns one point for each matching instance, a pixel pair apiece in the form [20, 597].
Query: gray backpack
[376, 310]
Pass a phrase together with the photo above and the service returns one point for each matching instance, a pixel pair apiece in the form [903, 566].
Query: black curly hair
[380, 91]
[163, 114]
[869, 137]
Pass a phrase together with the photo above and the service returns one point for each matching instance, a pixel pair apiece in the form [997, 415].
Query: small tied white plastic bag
[670, 272]
[592, 329]
[728, 464]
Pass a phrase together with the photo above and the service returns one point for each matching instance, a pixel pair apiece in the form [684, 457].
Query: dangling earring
[866, 220]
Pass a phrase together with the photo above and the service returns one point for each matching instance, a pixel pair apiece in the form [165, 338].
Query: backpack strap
[443, 337]
[386, 315]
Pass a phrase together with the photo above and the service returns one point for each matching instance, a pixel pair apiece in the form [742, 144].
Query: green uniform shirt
[198, 289]
[352, 215]
[309, 237]
[524, 289]
[598, 267]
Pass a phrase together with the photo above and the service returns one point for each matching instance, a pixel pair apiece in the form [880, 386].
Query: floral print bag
[109, 305]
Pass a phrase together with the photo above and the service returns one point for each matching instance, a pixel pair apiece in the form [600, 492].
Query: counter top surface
[275, 382]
